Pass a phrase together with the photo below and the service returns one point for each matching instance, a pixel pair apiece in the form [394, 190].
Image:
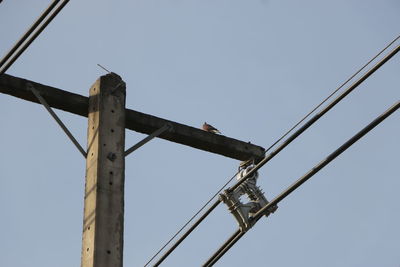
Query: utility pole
[134, 120]
[102, 238]
[103, 222]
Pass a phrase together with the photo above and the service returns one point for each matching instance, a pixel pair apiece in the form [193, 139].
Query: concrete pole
[103, 223]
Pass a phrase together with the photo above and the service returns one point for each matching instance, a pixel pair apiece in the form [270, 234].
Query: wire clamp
[243, 212]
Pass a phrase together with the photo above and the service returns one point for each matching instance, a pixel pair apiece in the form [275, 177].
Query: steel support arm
[148, 139]
[57, 119]
[136, 121]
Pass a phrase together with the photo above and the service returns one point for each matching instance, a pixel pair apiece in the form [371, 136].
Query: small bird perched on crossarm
[209, 128]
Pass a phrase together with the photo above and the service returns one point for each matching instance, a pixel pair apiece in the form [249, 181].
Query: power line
[191, 229]
[224, 248]
[291, 138]
[29, 32]
[334, 92]
[17, 49]
[238, 234]
[318, 116]
[194, 226]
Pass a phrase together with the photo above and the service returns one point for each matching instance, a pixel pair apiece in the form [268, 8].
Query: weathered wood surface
[136, 121]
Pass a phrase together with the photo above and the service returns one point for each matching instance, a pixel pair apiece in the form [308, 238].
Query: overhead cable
[290, 138]
[334, 92]
[166, 254]
[33, 32]
[318, 115]
[238, 234]
[29, 32]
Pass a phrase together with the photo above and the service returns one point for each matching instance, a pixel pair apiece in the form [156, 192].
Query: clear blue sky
[250, 68]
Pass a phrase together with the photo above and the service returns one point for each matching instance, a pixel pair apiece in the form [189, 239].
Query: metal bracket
[56, 118]
[243, 213]
[166, 127]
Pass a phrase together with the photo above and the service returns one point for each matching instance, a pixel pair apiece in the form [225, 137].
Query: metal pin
[103, 68]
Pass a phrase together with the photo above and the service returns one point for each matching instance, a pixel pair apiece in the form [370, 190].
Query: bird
[209, 128]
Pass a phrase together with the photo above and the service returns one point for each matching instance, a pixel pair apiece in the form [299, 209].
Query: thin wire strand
[190, 220]
[28, 32]
[334, 92]
[31, 38]
[276, 142]
[299, 182]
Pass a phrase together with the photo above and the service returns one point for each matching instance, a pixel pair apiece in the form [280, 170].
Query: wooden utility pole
[103, 223]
